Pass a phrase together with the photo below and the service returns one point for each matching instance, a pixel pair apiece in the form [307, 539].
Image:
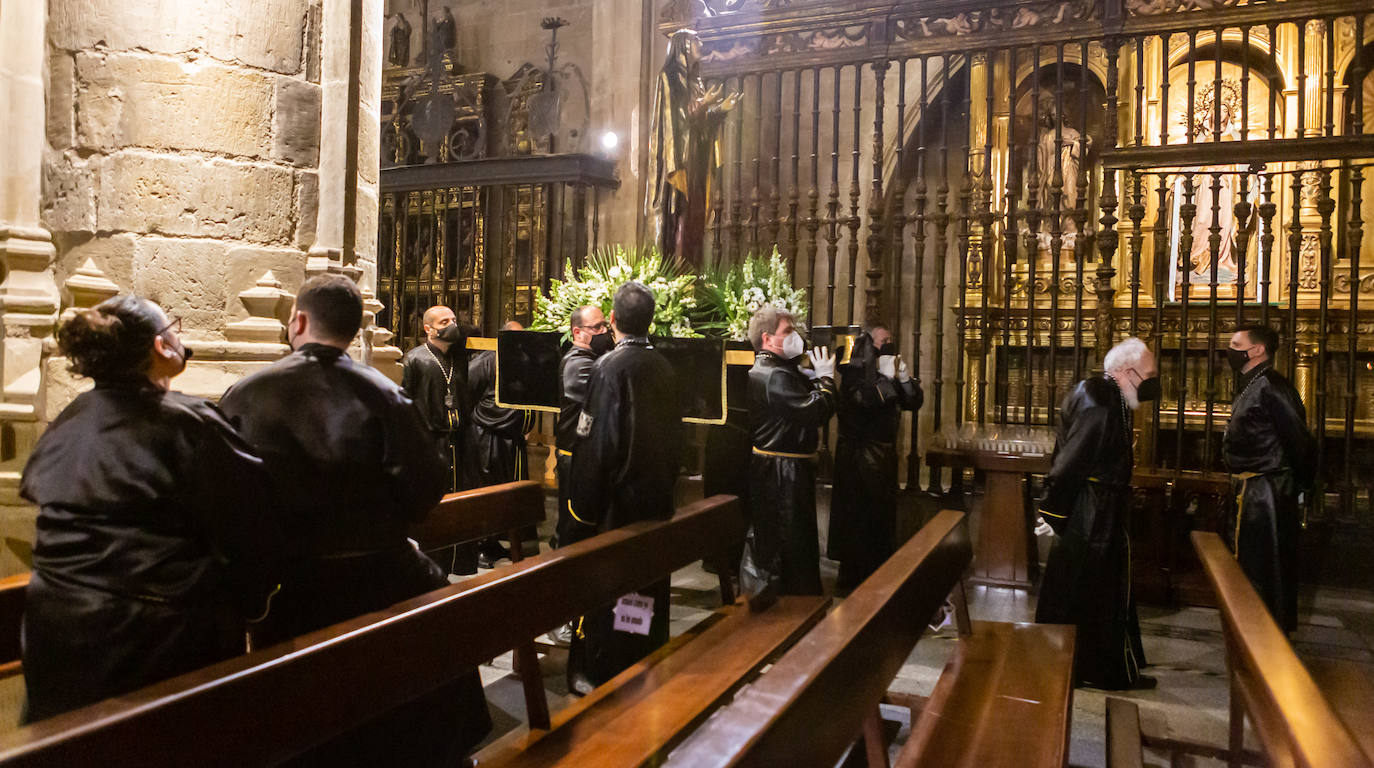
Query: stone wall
[183, 143]
[177, 149]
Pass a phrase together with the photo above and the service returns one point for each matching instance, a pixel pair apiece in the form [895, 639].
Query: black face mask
[450, 333]
[1148, 390]
[887, 349]
[1237, 358]
[602, 343]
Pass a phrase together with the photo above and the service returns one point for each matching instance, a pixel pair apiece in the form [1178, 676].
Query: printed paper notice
[633, 613]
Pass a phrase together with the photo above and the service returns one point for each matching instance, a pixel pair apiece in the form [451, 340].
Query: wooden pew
[12, 589]
[459, 518]
[267, 706]
[1295, 723]
[476, 514]
[994, 704]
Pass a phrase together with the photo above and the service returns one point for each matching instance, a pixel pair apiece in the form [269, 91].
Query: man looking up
[787, 408]
[623, 471]
[591, 338]
[1087, 496]
[1270, 455]
[352, 466]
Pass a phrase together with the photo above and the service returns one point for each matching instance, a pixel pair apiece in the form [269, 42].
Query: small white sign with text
[633, 613]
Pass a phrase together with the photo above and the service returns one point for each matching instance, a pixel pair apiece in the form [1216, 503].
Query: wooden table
[1006, 555]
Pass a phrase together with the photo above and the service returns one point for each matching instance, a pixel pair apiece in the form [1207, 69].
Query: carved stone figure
[682, 147]
[399, 54]
[1062, 149]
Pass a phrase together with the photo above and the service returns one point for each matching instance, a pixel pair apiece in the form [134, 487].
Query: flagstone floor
[1183, 646]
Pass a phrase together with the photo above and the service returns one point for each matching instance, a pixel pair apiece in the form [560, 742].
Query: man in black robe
[623, 471]
[591, 338]
[352, 467]
[494, 449]
[1271, 456]
[787, 408]
[875, 388]
[1087, 497]
[435, 376]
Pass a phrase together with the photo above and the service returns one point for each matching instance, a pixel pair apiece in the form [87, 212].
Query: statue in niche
[399, 55]
[445, 28]
[683, 152]
[1198, 267]
[1065, 149]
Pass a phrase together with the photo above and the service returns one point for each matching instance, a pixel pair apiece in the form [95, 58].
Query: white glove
[903, 374]
[1042, 528]
[887, 366]
[822, 362]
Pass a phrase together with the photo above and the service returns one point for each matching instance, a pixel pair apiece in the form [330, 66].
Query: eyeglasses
[174, 326]
[601, 326]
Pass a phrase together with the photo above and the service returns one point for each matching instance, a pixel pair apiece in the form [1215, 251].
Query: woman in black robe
[155, 536]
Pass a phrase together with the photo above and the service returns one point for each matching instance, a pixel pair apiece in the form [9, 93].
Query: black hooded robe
[1270, 454]
[786, 411]
[624, 470]
[353, 466]
[1087, 497]
[863, 502]
[157, 536]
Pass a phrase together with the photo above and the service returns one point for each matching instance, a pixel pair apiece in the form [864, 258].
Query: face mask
[793, 346]
[602, 343]
[182, 353]
[888, 349]
[1237, 358]
[450, 333]
[1149, 389]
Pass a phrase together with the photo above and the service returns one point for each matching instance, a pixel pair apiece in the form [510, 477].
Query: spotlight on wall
[609, 141]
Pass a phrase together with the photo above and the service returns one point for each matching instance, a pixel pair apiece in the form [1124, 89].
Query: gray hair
[766, 320]
[1125, 355]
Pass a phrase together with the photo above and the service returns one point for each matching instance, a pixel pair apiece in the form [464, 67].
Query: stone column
[29, 292]
[338, 110]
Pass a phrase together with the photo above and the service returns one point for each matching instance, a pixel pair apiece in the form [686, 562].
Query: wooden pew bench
[1297, 721]
[458, 518]
[994, 705]
[267, 706]
[12, 589]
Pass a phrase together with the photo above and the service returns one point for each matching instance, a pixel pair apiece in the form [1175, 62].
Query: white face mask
[793, 346]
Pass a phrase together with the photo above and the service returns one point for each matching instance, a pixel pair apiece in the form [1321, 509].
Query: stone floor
[1183, 646]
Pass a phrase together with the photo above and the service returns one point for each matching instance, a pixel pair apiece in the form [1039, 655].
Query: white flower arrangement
[596, 284]
[731, 297]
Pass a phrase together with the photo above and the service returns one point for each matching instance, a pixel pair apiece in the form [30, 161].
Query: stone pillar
[29, 294]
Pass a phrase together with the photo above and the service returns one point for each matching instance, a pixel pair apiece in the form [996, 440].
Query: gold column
[1306, 376]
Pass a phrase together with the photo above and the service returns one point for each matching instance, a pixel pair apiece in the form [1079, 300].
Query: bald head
[513, 325]
[435, 320]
